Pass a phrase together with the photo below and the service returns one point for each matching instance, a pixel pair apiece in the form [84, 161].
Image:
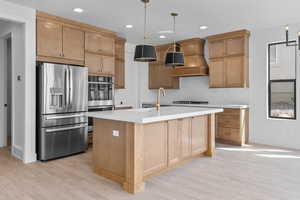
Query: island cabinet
[232, 126]
[228, 56]
[120, 63]
[130, 153]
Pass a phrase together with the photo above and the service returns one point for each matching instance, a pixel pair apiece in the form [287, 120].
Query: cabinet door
[217, 73]
[49, 38]
[154, 76]
[93, 62]
[119, 74]
[73, 44]
[217, 49]
[93, 42]
[173, 142]
[234, 67]
[108, 65]
[199, 134]
[184, 126]
[155, 147]
[107, 46]
[235, 46]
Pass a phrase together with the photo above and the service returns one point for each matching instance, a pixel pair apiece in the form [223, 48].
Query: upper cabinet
[65, 41]
[49, 38]
[120, 63]
[56, 42]
[97, 43]
[228, 54]
[161, 75]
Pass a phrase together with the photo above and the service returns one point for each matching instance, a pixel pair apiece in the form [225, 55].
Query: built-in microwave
[101, 92]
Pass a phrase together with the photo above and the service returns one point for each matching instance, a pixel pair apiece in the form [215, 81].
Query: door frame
[3, 118]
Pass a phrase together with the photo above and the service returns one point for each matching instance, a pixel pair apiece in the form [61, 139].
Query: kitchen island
[130, 146]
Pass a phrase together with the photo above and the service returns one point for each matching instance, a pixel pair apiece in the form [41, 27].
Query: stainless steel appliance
[101, 92]
[61, 110]
[100, 95]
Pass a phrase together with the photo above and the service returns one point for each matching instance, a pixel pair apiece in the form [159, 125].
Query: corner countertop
[149, 115]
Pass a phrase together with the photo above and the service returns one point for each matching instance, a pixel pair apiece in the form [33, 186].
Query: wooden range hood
[195, 63]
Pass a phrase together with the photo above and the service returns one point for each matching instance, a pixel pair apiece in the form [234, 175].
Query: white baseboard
[17, 152]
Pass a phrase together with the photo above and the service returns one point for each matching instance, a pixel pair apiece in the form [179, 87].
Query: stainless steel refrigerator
[62, 105]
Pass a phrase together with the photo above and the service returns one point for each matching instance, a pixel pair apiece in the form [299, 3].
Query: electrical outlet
[115, 133]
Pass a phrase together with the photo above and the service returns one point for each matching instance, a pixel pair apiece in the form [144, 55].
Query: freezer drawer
[62, 141]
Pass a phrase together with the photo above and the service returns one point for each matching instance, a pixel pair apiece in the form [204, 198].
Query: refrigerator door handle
[65, 117]
[71, 86]
[65, 129]
[66, 88]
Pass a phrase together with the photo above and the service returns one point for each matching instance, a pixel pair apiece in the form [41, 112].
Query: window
[282, 80]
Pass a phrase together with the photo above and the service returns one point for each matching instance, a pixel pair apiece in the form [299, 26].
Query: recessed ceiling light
[129, 26]
[162, 36]
[203, 27]
[78, 10]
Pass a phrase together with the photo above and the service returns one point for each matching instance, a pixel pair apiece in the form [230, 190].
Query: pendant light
[291, 43]
[144, 52]
[174, 58]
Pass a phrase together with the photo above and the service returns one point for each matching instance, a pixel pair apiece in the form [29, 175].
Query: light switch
[116, 133]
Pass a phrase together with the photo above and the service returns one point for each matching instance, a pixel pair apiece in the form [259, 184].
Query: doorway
[6, 101]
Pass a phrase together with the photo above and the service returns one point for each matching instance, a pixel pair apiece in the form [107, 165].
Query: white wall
[283, 133]
[24, 64]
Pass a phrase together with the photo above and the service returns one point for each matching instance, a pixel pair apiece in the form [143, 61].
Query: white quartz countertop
[237, 106]
[149, 115]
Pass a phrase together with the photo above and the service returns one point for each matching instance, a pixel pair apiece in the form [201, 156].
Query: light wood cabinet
[174, 142]
[59, 41]
[49, 38]
[96, 43]
[99, 64]
[73, 44]
[155, 159]
[120, 63]
[66, 41]
[199, 140]
[185, 137]
[93, 61]
[161, 75]
[217, 69]
[228, 54]
[232, 126]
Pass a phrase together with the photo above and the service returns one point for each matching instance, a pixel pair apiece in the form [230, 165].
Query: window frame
[294, 43]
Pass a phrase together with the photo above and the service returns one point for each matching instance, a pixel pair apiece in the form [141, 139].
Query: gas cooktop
[190, 102]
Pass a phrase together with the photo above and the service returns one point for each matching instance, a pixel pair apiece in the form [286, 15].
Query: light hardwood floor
[247, 173]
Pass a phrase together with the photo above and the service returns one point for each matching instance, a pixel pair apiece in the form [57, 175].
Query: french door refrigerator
[62, 105]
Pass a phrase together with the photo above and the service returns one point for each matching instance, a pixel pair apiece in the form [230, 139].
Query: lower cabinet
[232, 126]
[166, 144]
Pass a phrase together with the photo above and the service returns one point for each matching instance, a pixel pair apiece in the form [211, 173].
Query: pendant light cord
[174, 31]
[145, 22]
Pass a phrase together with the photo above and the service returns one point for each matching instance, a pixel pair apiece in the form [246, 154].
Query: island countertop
[150, 115]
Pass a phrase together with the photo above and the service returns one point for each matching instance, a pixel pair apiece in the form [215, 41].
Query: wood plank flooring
[247, 173]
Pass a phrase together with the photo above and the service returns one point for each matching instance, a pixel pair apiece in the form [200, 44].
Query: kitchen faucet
[158, 97]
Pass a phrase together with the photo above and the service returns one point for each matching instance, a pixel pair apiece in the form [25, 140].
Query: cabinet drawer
[229, 121]
[229, 134]
[230, 111]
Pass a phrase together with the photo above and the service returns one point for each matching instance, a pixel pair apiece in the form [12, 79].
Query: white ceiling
[219, 15]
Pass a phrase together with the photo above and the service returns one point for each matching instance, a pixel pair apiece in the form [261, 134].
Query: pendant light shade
[174, 58]
[144, 52]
